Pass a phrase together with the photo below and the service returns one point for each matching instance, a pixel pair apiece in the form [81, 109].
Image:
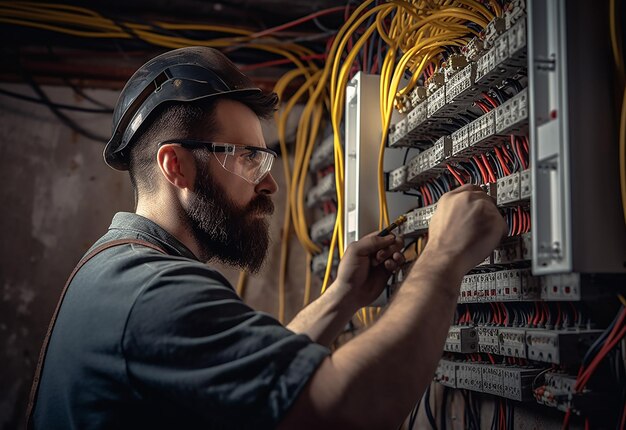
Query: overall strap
[44, 348]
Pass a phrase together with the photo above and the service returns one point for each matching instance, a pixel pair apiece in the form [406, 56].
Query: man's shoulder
[133, 261]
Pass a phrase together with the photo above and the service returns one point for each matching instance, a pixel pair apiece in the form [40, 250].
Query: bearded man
[147, 335]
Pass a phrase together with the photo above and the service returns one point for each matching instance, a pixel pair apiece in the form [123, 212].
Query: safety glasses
[252, 163]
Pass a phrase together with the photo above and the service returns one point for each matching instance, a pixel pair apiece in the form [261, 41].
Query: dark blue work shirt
[147, 340]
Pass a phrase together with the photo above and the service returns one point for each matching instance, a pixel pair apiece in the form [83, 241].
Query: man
[148, 336]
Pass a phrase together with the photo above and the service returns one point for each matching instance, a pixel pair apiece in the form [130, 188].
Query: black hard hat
[182, 75]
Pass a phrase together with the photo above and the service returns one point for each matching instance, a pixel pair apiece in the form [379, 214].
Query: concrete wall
[57, 198]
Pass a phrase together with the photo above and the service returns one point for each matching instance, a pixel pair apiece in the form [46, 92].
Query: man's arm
[397, 356]
[326, 317]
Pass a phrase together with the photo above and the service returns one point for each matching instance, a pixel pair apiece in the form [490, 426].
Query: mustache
[262, 204]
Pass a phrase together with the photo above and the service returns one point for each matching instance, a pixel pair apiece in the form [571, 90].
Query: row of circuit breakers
[527, 325]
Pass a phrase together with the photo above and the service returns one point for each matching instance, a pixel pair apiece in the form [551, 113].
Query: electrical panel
[526, 112]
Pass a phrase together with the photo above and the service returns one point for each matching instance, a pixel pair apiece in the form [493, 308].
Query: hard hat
[182, 75]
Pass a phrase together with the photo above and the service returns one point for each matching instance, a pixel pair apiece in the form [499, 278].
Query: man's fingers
[372, 243]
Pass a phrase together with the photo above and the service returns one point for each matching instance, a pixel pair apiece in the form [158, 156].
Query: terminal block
[461, 339]
[505, 56]
[430, 162]
[416, 128]
[469, 376]
[517, 36]
[495, 28]
[460, 142]
[493, 382]
[436, 102]
[482, 131]
[509, 252]
[323, 190]
[418, 220]
[509, 190]
[516, 285]
[322, 230]
[512, 116]
[418, 95]
[398, 134]
[517, 382]
[468, 289]
[397, 179]
[461, 87]
[446, 373]
[515, 11]
[324, 155]
[559, 346]
[562, 287]
[513, 342]
[525, 185]
[488, 339]
[474, 49]
[319, 262]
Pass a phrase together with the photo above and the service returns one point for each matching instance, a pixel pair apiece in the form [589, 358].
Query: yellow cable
[241, 283]
[307, 280]
[622, 154]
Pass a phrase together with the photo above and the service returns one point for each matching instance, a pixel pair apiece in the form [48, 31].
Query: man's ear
[177, 165]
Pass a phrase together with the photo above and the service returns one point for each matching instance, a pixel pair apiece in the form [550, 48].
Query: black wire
[444, 401]
[594, 348]
[496, 413]
[429, 412]
[413, 416]
[49, 103]
[60, 115]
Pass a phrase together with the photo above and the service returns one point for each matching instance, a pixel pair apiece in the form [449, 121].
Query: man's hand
[465, 228]
[366, 266]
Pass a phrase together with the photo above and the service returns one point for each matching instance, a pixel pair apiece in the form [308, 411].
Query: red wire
[493, 361]
[514, 229]
[504, 166]
[623, 422]
[586, 423]
[455, 174]
[565, 426]
[586, 375]
[502, 419]
[483, 173]
[525, 143]
[490, 100]
[506, 313]
[426, 192]
[493, 314]
[299, 21]
[536, 318]
[558, 315]
[610, 342]
[492, 175]
[482, 106]
[515, 142]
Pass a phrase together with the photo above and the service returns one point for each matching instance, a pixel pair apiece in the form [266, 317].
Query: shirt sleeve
[191, 341]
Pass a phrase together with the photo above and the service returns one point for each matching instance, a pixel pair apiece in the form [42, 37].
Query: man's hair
[180, 121]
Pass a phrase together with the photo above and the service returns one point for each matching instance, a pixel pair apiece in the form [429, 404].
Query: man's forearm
[325, 317]
[391, 362]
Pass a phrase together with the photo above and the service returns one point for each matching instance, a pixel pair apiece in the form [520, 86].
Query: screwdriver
[397, 223]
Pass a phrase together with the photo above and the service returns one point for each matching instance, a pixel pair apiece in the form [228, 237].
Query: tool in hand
[397, 223]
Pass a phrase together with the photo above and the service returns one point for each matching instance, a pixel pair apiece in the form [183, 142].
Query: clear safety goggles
[252, 163]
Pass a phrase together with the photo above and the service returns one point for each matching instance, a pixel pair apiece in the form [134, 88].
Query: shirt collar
[130, 223]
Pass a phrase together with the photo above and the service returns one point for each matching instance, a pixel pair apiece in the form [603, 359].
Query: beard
[235, 236]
